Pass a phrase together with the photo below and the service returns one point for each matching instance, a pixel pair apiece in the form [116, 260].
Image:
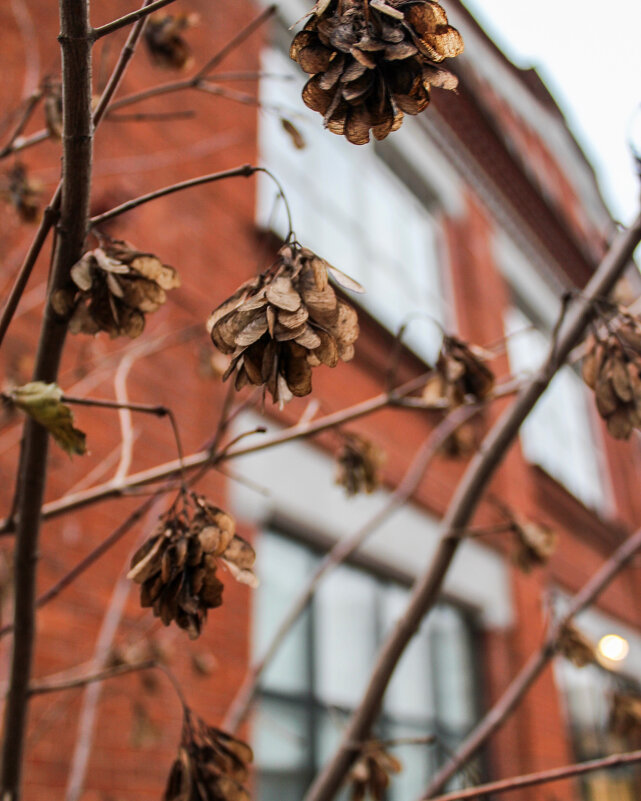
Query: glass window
[558, 435]
[319, 676]
[352, 209]
[586, 693]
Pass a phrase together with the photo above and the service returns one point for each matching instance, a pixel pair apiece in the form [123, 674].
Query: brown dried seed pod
[575, 646]
[370, 775]
[165, 42]
[625, 715]
[358, 465]
[612, 369]
[535, 544]
[371, 62]
[22, 192]
[177, 566]
[276, 327]
[211, 765]
[115, 288]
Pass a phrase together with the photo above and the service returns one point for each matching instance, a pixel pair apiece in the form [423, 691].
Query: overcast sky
[589, 54]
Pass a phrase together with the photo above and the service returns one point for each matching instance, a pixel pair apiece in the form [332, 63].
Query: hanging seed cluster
[625, 715]
[115, 288]
[358, 465]
[535, 544]
[371, 773]
[211, 765]
[612, 369]
[177, 567]
[371, 62]
[22, 192]
[165, 41]
[575, 646]
[276, 327]
[461, 374]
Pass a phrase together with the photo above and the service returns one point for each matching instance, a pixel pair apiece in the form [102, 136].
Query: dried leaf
[535, 544]
[43, 402]
[575, 646]
[294, 134]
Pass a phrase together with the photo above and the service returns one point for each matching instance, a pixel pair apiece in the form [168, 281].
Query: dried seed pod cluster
[22, 192]
[358, 465]
[115, 288]
[370, 775]
[460, 373]
[177, 565]
[625, 715]
[575, 646]
[535, 544]
[165, 42]
[211, 765]
[372, 61]
[612, 369]
[279, 325]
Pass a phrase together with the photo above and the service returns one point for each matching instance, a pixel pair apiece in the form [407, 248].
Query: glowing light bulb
[614, 647]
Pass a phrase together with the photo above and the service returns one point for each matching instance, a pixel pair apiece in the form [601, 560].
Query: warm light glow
[614, 647]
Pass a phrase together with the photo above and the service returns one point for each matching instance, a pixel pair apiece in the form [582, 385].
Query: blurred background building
[475, 218]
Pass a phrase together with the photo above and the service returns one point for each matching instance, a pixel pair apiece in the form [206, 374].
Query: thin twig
[543, 777]
[151, 116]
[128, 19]
[43, 686]
[341, 551]
[159, 411]
[245, 171]
[517, 689]
[238, 39]
[468, 494]
[30, 106]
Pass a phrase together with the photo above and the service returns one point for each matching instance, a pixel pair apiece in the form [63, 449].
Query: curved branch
[544, 776]
[463, 505]
[147, 9]
[245, 171]
[532, 669]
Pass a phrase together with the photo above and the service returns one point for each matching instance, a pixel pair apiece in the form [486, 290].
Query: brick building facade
[477, 215]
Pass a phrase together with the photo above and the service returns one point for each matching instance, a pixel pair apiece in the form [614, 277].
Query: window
[558, 435]
[586, 693]
[322, 669]
[353, 209]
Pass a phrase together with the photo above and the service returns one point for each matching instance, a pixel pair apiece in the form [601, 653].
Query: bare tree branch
[506, 704]
[245, 171]
[74, 216]
[29, 107]
[466, 498]
[238, 39]
[147, 9]
[43, 686]
[112, 489]
[544, 776]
